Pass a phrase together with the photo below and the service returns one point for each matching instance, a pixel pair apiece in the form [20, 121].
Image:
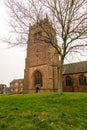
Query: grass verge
[46, 111]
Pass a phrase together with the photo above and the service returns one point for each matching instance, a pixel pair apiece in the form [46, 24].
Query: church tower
[41, 73]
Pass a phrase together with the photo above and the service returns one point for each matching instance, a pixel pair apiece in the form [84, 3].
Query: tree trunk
[60, 87]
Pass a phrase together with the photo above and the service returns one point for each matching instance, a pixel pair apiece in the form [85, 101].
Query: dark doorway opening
[37, 89]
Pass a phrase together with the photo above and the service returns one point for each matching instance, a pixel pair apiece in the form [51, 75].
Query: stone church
[41, 66]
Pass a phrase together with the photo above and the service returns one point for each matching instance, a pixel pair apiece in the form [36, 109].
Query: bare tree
[68, 18]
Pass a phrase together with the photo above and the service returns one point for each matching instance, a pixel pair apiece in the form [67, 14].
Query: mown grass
[47, 111]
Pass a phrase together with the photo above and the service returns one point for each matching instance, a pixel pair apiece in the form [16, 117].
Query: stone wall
[76, 86]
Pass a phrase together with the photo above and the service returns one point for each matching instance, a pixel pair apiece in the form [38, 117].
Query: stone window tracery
[68, 81]
[38, 78]
[82, 80]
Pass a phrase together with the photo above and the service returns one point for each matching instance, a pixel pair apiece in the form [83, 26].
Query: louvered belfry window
[37, 37]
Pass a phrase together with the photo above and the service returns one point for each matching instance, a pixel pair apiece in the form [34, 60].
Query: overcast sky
[12, 60]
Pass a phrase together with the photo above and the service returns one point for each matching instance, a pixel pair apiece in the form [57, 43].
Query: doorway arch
[37, 89]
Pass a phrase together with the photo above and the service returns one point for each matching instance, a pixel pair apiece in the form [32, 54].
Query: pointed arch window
[37, 37]
[38, 78]
[82, 80]
[68, 81]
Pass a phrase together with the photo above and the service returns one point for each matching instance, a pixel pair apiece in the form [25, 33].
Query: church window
[38, 78]
[82, 80]
[68, 81]
[37, 37]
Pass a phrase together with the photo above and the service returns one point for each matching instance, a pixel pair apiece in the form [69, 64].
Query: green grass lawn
[45, 111]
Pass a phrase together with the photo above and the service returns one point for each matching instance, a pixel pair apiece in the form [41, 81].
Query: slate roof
[77, 67]
[17, 80]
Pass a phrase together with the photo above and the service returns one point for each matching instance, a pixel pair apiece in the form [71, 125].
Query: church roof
[78, 67]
